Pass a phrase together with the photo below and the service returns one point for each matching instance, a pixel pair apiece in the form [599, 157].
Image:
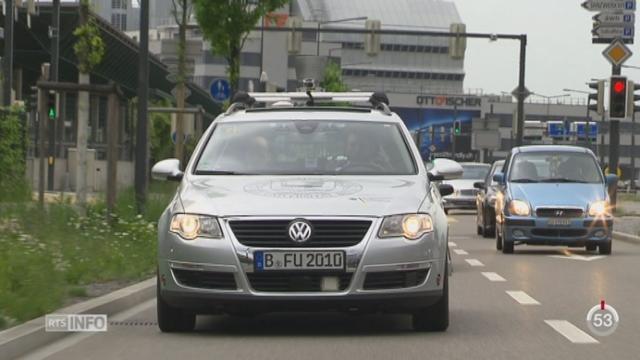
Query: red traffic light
[619, 86]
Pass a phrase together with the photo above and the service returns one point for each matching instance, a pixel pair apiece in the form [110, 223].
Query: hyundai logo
[299, 231]
[559, 213]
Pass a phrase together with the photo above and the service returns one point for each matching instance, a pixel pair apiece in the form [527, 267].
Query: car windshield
[288, 147]
[475, 171]
[555, 167]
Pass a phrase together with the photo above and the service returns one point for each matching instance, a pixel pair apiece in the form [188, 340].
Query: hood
[302, 195]
[580, 195]
[462, 184]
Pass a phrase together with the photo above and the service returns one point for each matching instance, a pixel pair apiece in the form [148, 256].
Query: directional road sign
[615, 18]
[515, 92]
[617, 53]
[220, 89]
[613, 32]
[609, 5]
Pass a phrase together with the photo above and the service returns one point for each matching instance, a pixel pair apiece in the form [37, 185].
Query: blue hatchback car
[553, 195]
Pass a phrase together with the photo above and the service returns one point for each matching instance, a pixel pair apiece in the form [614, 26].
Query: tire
[605, 248]
[171, 319]
[479, 230]
[507, 246]
[498, 239]
[446, 211]
[591, 247]
[436, 316]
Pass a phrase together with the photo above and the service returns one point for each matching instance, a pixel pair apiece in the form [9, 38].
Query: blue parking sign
[220, 90]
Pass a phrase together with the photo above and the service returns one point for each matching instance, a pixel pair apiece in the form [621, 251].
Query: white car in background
[464, 196]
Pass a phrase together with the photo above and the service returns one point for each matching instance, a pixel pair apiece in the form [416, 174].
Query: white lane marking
[460, 252]
[71, 340]
[452, 244]
[474, 262]
[571, 332]
[578, 257]
[523, 298]
[493, 277]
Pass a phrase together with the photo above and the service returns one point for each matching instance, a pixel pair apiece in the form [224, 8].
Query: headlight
[190, 226]
[599, 208]
[411, 226]
[519, 208]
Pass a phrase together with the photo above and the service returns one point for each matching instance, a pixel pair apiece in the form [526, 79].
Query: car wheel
[479, 230]
[498, 240]
[605, 248]
[446, 211]
[171, 319]
[436, 316]
[507, 246]
[591, 247]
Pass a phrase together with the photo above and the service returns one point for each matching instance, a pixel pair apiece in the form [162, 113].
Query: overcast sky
[559, 52]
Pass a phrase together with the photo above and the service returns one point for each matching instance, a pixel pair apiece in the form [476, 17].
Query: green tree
[333, 78]
[226, 24]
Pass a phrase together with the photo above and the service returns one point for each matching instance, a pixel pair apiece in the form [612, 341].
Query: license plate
[559, 222]
[299, 260]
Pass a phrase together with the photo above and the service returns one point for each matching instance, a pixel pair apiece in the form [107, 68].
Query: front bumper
[230, 258]
[459, 202]
[539, 231]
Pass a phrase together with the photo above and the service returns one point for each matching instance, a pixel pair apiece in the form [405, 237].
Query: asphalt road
[548, 286]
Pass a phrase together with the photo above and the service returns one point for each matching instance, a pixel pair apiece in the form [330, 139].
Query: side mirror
[499, 178]
[478, 185]
[433, 177]
[447, 168]
[168, 169]
[445, 189]
[611, 179]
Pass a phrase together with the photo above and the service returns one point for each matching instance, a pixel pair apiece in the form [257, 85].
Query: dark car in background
[486, 201]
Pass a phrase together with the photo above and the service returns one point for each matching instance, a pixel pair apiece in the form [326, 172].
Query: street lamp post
[320, 23]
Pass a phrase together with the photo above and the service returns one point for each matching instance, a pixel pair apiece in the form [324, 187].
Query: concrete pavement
[529, 305]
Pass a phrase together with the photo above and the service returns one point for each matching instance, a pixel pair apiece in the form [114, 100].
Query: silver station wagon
[287, 204]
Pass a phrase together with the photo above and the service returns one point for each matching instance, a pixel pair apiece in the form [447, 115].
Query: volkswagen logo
[299, 231]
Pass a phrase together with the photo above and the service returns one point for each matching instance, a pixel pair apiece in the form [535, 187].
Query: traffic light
[457, 128]
[618, 97]
[632, 98]
[52, 106]
[598, 107]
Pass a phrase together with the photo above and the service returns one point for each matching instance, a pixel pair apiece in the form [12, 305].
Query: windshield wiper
[524, 181]
[217, 172]
[563, 180]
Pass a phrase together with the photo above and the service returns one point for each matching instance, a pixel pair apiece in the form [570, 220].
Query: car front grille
[295, 282]
[559, 232]
[205, 279]
[325, 233]
[468, 192]
[394, 279]
[559, 213]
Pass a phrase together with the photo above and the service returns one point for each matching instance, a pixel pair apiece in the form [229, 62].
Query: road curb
[22, 339]
[626, 237]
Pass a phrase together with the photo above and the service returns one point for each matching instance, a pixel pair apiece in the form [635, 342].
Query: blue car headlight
[519, 208]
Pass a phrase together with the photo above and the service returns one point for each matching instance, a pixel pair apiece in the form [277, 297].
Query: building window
[119, 4]
[119, 21]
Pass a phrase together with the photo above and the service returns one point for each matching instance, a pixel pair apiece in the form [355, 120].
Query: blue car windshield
[555, 167]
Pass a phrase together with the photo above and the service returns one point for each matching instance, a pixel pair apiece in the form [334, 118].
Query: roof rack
[243, 100]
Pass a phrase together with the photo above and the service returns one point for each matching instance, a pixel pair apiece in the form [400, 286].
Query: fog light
[518, 233]
[330, 283]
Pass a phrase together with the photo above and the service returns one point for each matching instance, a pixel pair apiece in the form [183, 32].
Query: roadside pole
[53, 77]
[7, 60]
[142, 131]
